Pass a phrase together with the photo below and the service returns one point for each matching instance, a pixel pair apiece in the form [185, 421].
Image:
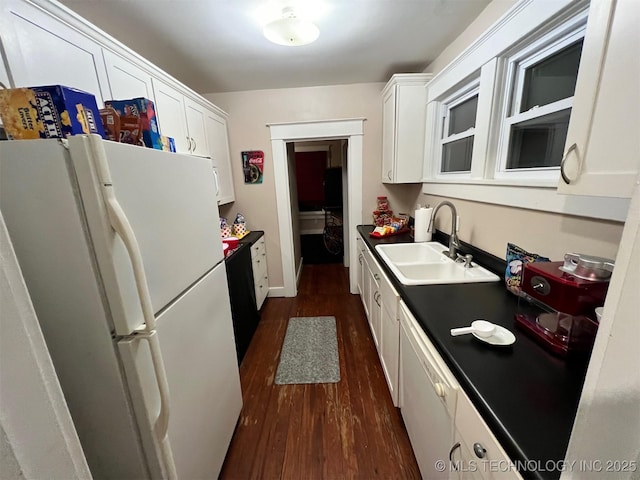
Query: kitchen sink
[427, 264]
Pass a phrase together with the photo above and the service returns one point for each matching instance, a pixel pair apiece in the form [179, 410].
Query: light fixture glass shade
[291, 31]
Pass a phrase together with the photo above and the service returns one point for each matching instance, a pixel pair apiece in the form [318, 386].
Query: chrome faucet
[453, 238]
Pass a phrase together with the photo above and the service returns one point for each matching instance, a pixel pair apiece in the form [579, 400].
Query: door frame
[282, 133]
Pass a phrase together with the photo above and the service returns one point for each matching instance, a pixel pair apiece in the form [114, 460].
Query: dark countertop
[527, 396]
[246, 242]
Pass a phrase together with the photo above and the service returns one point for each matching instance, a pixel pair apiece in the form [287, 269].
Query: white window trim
[484, 54]
[516, 65]
[461, 95]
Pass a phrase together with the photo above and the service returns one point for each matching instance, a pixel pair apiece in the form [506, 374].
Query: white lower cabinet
[360, 266]
[479, 455]
[380, 301]
[260, 274]
[374, 299]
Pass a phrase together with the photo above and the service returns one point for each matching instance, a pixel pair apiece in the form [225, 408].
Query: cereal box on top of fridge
[143, 108]
[52, 111]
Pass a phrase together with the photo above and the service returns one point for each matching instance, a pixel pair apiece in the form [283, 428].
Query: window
[538, 106]
[458, 129]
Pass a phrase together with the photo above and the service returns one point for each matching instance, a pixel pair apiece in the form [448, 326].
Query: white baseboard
[276, 292]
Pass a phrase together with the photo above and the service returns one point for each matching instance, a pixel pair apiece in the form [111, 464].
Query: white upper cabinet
[126, 80]
[195, 115]
[42, 50]
[181, 118]
[404, 102]
[43, 43]
[602, 151]
[217, 138]
[171, 115]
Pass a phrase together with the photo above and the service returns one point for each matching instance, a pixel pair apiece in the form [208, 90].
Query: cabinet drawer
[258, 249]
[390, 297]
[472, 430]
[259, 265]
[262, 288]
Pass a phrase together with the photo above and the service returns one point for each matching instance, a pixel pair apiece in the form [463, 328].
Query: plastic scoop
[482, 328]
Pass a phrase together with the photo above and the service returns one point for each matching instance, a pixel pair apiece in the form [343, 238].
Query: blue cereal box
[143, 108]
[52, 111]
[168, 144]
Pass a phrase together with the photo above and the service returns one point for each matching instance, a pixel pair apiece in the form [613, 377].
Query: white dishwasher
[427, 400]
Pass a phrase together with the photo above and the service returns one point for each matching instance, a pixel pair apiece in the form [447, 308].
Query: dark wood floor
[348, 429]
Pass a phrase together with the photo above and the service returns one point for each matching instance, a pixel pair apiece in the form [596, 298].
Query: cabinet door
[375, 312]
[474, 433]
[390, 352]
[218, 141]
[388, 135]
[171, 114]
[195, 114]
[359, 250]
[464, 465]
[366, 284]
[126, 80]
[601, 153]
[41, 50]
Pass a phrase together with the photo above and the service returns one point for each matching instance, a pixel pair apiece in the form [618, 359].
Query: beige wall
[250, 112]
[489, 226]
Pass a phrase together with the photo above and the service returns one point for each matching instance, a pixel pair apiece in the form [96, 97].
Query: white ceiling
[217, 45]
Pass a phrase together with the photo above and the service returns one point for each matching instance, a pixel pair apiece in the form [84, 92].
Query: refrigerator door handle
[161, 425]
[120, 223]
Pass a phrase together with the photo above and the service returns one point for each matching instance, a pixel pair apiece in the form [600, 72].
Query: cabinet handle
[479, 450]
[189, 142]
[453, 449]
[389, 174]
[195, 145]
[376, 276]
[573, 147]
[376, 297]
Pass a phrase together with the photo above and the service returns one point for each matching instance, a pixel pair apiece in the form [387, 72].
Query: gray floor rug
[309, 352]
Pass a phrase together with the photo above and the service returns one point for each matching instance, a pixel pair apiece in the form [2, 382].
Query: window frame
[522, 25]
[469, 90]
[516, 65]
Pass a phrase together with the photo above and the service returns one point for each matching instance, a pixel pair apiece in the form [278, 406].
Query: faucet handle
[466, 259]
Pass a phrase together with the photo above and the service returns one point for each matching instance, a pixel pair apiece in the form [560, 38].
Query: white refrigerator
[120, 249]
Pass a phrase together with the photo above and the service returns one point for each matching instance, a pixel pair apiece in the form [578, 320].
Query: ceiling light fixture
[291, 30]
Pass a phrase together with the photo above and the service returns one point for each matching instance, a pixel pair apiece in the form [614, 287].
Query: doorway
[320, 185]
[287, 133]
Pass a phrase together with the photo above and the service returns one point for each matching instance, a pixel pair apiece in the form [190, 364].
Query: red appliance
[558, 301]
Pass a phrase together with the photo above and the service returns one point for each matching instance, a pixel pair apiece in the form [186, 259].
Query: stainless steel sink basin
[425, 264]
